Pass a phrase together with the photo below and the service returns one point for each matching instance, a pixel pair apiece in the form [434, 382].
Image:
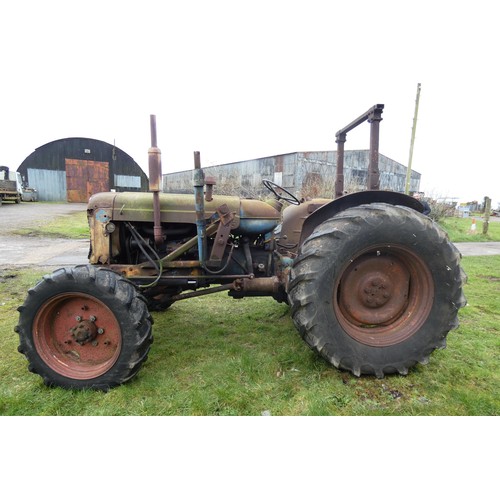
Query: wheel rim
[383, 296]
[77, 336]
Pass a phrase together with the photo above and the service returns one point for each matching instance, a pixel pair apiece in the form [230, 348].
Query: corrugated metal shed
[303, 173]
[74, 168]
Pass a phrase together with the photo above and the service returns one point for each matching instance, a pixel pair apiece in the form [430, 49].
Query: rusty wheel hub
[383, 296]
[85, 331]
[77, 335]
[375, 290]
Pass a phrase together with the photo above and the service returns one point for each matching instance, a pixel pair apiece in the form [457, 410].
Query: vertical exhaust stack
[154, 157]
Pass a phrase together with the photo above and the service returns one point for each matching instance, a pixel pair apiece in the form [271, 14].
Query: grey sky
[239, 80]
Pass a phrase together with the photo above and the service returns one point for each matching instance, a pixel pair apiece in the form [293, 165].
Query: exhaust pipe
[154, 157]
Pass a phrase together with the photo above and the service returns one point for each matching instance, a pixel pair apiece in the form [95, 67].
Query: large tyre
[84, 327]
[376, 289]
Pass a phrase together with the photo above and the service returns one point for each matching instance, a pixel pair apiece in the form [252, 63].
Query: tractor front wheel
[84, 327]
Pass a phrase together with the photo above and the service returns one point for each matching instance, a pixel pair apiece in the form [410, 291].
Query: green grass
[219, 356]
[459, 229]
[72, 226]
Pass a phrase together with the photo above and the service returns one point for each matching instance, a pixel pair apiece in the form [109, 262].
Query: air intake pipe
[199, 203]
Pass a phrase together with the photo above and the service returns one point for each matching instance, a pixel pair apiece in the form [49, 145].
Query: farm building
[306, 174]
[73, 169]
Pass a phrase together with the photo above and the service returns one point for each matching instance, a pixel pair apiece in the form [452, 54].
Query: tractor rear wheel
[376, 289]
[84, 327]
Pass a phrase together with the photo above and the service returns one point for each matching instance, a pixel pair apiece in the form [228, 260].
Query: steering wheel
[272, 186]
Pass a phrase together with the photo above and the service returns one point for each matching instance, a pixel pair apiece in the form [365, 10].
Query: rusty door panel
[85, 178]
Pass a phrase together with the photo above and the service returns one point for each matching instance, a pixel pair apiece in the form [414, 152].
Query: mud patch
[6, 276]
[395, 394]
[491, 278]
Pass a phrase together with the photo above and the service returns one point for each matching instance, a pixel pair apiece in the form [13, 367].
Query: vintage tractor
[373, 285]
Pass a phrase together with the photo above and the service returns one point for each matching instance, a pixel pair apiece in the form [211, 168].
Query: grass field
[219, 356]
[459, 229]
[73, 226]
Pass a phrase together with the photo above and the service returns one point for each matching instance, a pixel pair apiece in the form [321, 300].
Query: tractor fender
[352, 200]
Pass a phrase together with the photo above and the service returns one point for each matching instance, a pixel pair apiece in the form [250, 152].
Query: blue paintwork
[102, 216]
[257, 226]
[199, 206]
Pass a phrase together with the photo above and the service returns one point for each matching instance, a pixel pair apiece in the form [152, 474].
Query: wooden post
[412, 142]
[487, 210]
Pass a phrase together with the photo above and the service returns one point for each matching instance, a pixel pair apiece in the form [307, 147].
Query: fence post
[487, 210]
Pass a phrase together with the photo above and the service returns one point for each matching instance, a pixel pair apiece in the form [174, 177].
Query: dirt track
[22, 251]
[24, 215]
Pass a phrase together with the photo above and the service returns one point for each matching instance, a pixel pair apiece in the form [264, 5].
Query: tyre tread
[117, 292]
[327, 239]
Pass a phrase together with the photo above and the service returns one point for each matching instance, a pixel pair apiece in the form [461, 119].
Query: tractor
[373, 285]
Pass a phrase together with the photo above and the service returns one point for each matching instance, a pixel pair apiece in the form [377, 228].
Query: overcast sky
[240, 80]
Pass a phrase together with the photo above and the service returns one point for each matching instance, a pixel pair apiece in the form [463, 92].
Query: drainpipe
[199, 203]
[154, 157]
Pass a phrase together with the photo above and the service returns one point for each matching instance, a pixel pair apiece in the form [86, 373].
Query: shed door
[85, 178]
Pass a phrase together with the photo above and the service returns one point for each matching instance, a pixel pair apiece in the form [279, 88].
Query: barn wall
[303, 173]
[54, 182]
[243, 178]
[127, 182]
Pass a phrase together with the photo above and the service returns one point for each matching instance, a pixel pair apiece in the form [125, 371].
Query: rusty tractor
[373, 285]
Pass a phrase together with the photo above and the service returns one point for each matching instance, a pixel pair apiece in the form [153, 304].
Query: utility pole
[414, 128]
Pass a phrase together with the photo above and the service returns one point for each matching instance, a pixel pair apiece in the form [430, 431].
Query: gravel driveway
[25, 215]
[23, 251]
